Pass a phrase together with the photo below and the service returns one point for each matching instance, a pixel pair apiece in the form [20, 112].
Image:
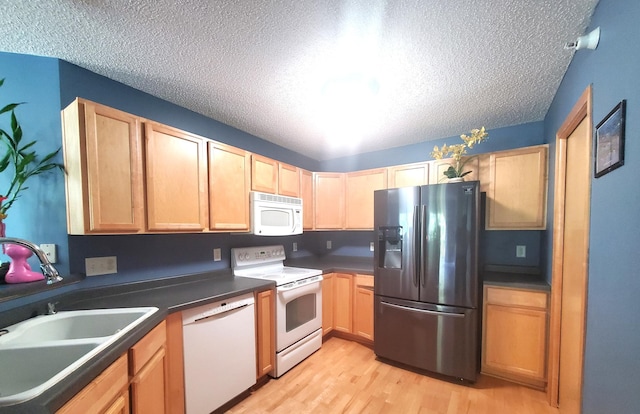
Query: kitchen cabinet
[517, 194]
[363, 307]
[438, 167]
[103, 160]
[288, 180]
[343, 303]
[514, 335]
[408, 175]
[328, 195]
[147, 368]
[264, 174]
[175, 364]
[108, 392]
[229, 187]
[265, 332]
[327, 302]
[176, 167]
[359, 188]
[306, 193]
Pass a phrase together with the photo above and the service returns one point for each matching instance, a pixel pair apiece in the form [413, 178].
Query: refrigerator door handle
[417, 243]
[428, 312]
[423, 244]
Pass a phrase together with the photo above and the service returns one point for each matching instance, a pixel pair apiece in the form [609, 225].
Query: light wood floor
[344, 377]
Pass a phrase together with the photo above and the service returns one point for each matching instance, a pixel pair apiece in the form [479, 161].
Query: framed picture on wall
[610, 141]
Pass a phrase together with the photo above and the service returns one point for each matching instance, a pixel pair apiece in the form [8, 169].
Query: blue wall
[39, 215]
[612, 365]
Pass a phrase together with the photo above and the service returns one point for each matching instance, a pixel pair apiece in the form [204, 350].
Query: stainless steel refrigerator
[426, 277]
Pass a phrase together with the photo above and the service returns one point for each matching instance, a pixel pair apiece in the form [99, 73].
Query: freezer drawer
[436, 338]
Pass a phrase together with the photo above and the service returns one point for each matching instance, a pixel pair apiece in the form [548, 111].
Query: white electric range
[298, 301]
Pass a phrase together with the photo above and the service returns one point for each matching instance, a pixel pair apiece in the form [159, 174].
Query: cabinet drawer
[514, 297]
[142, 352]
[364, 281]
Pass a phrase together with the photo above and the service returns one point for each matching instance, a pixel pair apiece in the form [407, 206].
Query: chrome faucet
[48, 270]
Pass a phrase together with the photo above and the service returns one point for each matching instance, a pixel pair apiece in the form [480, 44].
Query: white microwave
[274, 215]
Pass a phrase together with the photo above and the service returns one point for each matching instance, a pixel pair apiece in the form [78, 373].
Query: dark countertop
[335, 264]
[169, 295]
[515, 277]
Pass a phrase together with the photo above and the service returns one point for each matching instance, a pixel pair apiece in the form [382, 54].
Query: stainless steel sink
[37, 353]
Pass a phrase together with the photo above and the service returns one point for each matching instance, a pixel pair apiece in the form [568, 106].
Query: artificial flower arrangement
[457, 151]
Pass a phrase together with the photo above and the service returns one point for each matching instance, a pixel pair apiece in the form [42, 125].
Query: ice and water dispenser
[390, 247]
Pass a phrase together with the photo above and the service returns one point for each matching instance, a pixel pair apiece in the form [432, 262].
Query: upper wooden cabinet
[360, 186]
[306, 193]
[438, 167]
[103, 159]
[517, 194]
[176, 166]
[408, 175]
[329, 200]
[229, 186]
[264, 174]
[288, 180]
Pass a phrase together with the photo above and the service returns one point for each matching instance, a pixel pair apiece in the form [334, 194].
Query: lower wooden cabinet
[514, 335]
[363, 307]
[147, 367]
[108, 392]
[265, 332]
[327, 303]
[347, 305]
[343, 303]
[135, 382]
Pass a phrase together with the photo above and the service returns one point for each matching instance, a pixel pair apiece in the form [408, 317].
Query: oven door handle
[299, 284]
[287, 292]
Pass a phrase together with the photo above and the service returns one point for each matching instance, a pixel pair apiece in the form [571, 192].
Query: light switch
[50, 251]
[521, 251]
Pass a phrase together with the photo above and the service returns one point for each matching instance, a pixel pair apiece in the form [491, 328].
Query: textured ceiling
[322, 78]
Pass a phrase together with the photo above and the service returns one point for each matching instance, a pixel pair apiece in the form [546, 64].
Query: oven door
[298, 313]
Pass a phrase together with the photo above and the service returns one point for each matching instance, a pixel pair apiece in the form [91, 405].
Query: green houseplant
[456, 152]
[19, 162]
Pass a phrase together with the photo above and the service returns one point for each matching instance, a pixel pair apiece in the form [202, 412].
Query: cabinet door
[515, 341]
[101, 393]
[264, 174]
[176, 165]
[120, 405]
[363, 307]
[288, 180]
[517, 196]
[306, 192]
[148, 386]
[360, 186]
[329, 200]
[265, 335]
[103, 159]
[174, 349]
[408, 175]
[328, 293]
[229, 186]
[343, 303]
[438, 167]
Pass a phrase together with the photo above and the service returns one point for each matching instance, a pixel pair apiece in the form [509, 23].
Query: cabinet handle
[428, 312]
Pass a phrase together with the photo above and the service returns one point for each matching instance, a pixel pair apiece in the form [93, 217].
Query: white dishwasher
[219, 352]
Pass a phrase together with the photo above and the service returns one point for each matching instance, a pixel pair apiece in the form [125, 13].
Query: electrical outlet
[95, 266]
[371, 246]
[49, 251]
[328, 244]
[217, 255]
[295, 246]
[521, 251]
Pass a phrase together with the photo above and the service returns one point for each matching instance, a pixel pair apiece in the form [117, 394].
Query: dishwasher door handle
[216, 314]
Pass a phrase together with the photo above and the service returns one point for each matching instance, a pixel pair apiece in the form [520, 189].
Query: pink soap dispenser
[19, 269]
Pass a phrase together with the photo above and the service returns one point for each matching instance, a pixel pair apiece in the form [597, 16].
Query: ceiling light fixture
[588, 41]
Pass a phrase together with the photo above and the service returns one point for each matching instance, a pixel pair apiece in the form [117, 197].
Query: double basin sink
[37, 353]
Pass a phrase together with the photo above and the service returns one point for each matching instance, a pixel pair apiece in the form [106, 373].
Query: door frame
[583, 109]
